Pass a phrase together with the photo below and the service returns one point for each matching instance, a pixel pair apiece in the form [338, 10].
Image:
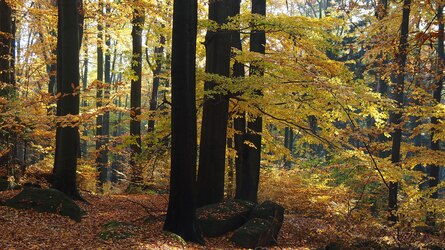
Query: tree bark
[159, 55]
[135, 98]
[252, 158]
[397, 94]
[182, 199]
[212, 152]
[67, 137]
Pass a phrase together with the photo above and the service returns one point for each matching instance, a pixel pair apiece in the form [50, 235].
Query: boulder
[46, 200]
[255, 233]
[116, 230]
[221, 218]
[271, 211]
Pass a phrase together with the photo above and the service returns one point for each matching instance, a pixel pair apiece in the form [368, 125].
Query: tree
[135, 97]
[397, 95]
[182, 199]
[69, 38]
[252, 157]
[437, 96]
[7, 41]
[212, 148]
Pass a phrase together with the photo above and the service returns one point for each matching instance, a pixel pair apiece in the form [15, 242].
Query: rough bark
[215, 111]
[67, 137]
[182, 199]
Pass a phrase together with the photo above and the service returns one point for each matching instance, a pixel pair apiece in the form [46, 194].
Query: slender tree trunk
[100, 164]
[252, 159]
[105, 171]
[182, 199]
[397, 95]
[135, 98]
[212, 153]
[84, 101]
[159, 55]
[437, 95]
[67, 137]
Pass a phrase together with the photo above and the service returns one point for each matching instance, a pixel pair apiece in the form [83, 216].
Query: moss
[46, 200]
[116, 230]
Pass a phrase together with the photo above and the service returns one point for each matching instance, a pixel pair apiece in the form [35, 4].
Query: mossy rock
[46, 200]
[7, 185]
[221, 218]
[255, 233]
[271, 211]
[116, 230]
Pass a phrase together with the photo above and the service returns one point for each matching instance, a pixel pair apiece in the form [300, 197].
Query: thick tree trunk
[67, 137]
[7, 41]
[135, 98]
[252, 158]
[182, 199]
[212, 153]
[397, 95]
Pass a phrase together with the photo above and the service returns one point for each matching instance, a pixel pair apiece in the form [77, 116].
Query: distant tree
[135, 97]
[397, 95]
[69, 39]
[212, 148]
[182, 199]
[437, 95]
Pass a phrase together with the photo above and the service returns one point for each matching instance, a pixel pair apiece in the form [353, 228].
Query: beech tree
[212, 153]
[182, 198]
[135, 97]
[397, 94]
[69, 38]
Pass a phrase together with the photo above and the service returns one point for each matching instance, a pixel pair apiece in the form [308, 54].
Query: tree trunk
[159, 55]
[252, 159]
[7, 41]
[437, 95]
[100, 164]
[397, 95]
[212, 153]
[135, 98]
[67, 137]
[182, 199]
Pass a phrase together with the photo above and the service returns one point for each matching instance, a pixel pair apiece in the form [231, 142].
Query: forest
[222, 124]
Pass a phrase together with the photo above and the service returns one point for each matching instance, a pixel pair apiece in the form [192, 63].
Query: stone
[255, 233]
[46, 200]
[116, 230]
[221, 218]
[271, 211]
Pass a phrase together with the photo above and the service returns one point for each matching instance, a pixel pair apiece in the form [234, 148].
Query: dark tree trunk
[7, 41]
[67, 137]
[105, 170]
[397, 95]
[159, 55]
[437, 95]
[252, 158]
[135, 98]
[212, 153]
[182, 199]
[85, 102]
[289, 144]
[100, 164]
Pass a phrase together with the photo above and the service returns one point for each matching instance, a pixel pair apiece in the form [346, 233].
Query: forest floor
[144, 215]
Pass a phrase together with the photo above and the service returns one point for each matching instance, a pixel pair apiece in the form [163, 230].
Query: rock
[46, 200]
[271, 211]
[220, 218]
[8, 185]
[116, 230]
[255, 233]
